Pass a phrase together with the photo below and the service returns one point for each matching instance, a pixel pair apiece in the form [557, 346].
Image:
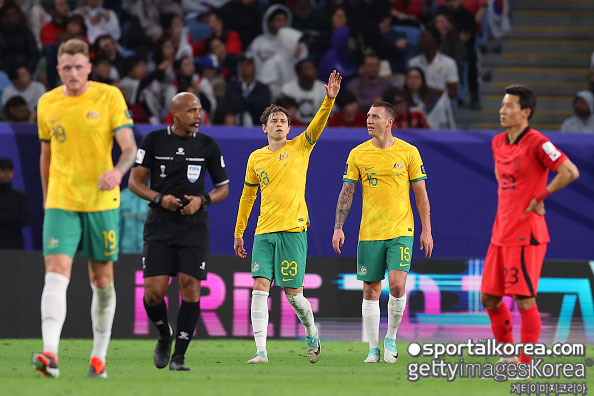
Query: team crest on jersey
[194, 172]
[255, 267]
[398, 166]
[283, 156]
[93, 114]
[362, 270]
[53, 243]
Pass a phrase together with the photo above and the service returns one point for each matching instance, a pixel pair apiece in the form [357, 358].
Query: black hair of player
[526, 95]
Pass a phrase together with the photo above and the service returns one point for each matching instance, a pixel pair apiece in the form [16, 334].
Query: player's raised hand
[535, 206]
[192, 206]
[110, 180]
[427, 243]
[238, 247]
[337, 240]
[333, 84]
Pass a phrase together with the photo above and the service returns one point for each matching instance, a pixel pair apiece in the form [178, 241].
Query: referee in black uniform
[176, 232]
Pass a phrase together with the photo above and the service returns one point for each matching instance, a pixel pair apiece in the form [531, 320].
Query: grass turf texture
[218, 368]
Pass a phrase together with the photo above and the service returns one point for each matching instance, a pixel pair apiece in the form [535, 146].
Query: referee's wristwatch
[205, 200]
[157, 199]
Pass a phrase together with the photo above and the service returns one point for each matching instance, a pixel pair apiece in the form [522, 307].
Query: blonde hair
[73, 47]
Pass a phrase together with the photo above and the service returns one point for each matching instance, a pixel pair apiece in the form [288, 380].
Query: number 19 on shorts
[111, 241]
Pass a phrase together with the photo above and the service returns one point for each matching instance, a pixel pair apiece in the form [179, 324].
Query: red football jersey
[523, 169]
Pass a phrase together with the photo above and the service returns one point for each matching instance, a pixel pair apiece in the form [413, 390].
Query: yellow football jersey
[80, 130]
[385, 175]
[281, 176]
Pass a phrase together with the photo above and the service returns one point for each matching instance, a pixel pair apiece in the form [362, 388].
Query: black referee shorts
[160, 259]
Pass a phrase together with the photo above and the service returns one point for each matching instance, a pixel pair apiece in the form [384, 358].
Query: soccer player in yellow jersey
[77, 123]
[280, 243]
[386, 167]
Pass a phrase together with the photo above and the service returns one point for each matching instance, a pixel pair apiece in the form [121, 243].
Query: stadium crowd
[238, 56]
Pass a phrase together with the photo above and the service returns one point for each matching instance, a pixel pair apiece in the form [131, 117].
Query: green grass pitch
[218, 368]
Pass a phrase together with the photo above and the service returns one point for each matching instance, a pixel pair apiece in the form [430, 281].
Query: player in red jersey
[523, 157]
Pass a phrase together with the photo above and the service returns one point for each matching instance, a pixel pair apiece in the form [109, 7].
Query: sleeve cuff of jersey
[418, 179]
[44, 140]
[222, 183]
[123, 126]
[308, 139]
[250, 184]
[344, 179]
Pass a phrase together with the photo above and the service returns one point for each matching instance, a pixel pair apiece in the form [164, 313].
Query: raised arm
[345, 200]
[317, 125]
[424, 209]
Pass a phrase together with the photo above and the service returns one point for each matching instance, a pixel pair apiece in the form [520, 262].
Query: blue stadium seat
[198, 30]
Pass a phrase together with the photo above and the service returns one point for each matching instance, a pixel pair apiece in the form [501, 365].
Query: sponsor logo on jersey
[194, 172]
[143, 263]
[180, 151]
[222, 162]
[93, 114]
[550, 150]
[203, 265]
[140, 156]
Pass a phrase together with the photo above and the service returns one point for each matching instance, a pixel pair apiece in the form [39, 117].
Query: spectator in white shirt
[307, 90]
[440, 70]
[24, 86]
[583, 120]
[99, 20]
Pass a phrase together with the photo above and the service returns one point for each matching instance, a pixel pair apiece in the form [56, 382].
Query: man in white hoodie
[279, 69]
[267, 44]
[583, 120]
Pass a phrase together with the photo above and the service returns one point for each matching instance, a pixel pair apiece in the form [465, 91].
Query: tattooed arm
[345, 199]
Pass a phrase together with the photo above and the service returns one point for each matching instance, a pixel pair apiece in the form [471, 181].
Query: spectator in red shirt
[219, 29]
[49, 32]
[349, 114]
[406, 118]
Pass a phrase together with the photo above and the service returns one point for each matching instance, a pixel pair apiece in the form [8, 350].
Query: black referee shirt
[177, 166]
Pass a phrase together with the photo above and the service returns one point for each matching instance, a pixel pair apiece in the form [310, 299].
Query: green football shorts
[280, 257]
[63, 230]
[373, 257]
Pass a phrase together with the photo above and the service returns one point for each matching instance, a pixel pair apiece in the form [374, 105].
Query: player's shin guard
[158, 315]
[371, 319]
[303, 310]
[501, 324]
[396, 308]
[531, 325]
[53, 310]
[259, 313]
[103, 308]
[186, 324]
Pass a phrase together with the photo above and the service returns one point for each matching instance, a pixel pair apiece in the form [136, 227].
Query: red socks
[531, 325]
[501, 324]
